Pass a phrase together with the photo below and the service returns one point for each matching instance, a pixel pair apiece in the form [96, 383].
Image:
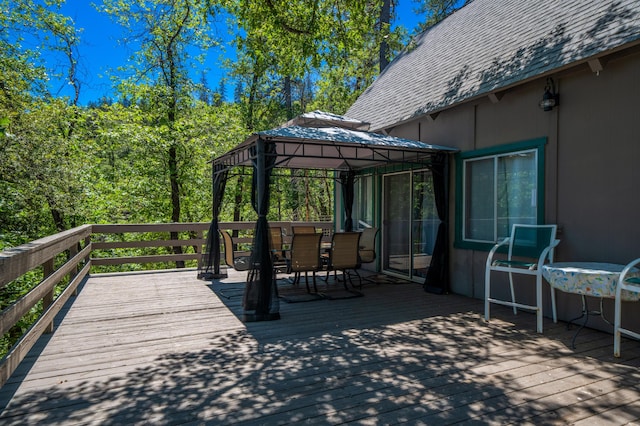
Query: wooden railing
[42, 253]
[100, 243]
[68, 257]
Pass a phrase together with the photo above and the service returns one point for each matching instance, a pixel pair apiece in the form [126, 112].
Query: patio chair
[630, 284]
[367, 250]
[303, 229]
[368, 245]
[529, 247]
[239, 263]
[305, 257]
[278, 253]
[344, 256]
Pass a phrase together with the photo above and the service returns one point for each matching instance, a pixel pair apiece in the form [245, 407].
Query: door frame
[383, 240]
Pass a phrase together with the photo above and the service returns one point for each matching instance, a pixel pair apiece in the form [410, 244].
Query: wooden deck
[166, 348]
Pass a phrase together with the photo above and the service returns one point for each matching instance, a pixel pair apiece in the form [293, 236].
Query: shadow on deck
[164, 348]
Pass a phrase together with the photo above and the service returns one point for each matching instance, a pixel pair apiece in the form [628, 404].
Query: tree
[437, 10]
[384, 24]
[35, 126]
[204, 92]
[286, 47]
[165, 33]
[286, 42]
[220, 94]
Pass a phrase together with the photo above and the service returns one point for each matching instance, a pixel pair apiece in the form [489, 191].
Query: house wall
[592, 172]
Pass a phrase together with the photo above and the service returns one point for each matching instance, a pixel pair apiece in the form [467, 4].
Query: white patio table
[588, 279]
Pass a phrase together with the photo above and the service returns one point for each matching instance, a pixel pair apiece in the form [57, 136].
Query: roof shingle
[493, 44]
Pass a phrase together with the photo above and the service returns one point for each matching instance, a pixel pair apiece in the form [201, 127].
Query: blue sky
[100, 50]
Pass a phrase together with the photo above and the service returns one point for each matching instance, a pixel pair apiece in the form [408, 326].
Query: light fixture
[550, 98]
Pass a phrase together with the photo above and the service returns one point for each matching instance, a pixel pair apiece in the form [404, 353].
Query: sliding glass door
[396, 230]
[410, 223]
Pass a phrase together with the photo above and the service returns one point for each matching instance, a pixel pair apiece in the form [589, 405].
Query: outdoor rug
[330, 290]
[228, 290]
[383, 279]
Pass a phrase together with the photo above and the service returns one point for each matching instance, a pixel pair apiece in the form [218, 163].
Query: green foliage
[146, 158]
[165, 35]
[18, 288]
[129, 177]
[329, 47]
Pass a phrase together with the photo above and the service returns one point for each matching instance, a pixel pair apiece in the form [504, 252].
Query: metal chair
[344, 256]
[629, 284]
[239, 263]
[277, 251]
[305, 257]
[529, 247]
[367, 249]
[303, 229]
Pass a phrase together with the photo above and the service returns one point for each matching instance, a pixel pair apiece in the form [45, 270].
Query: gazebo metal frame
[345, 149]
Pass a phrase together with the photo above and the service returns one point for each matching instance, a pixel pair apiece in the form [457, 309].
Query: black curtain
[210, 264]
[437, 279]
[347, 180]
[260, 301]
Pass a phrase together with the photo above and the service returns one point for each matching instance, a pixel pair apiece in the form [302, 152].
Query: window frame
[537, 144]
[357, 201]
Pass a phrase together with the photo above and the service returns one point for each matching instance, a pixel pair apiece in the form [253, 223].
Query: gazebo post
[209, 267]
[260, 301]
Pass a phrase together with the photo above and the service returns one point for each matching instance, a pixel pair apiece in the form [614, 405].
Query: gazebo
[318, 140]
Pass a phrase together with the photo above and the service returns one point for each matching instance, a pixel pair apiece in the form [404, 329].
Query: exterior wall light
[550, 98]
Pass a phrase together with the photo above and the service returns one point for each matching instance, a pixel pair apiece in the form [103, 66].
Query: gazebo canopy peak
[326, 119]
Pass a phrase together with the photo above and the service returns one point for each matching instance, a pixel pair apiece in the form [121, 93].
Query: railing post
[47, 300]
[199, 236]
[87, 241]
[73, 250]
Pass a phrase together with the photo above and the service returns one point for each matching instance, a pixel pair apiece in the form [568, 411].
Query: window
[363, 202]
[497, 188]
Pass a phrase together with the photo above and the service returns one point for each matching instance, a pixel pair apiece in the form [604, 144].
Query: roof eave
[601, 57]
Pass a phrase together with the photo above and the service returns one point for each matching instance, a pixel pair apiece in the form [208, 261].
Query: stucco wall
[592, 163]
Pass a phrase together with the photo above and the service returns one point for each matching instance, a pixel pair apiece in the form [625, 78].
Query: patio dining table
[594, 279]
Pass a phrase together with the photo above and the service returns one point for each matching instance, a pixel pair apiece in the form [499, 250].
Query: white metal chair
[630, 284]
[529, 247]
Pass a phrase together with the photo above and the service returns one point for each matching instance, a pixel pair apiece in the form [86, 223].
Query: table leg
[602, 312]
[585, 314]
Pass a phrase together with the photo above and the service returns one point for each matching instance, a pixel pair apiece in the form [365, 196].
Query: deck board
[166, 348]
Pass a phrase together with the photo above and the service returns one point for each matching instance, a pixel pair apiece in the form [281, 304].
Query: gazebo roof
[327, 119]
[333, 148]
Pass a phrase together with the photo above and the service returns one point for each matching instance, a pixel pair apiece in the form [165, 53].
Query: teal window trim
[537, 144]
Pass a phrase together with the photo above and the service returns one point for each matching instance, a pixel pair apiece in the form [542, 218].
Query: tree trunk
[385, 19]
[237, 203]
[288, 102]
[58, 217]
[175, 199]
